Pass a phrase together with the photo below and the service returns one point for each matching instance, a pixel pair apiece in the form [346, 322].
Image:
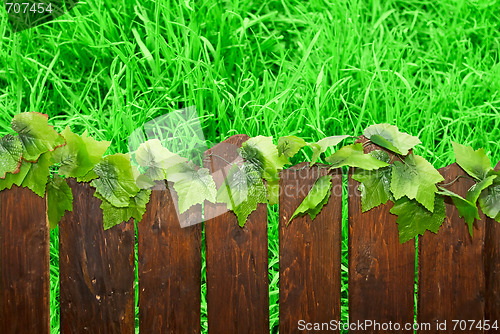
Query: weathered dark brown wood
[24, 263]
[96, 269]
[381, 270]
[310, 252]
[492, 272]
[451, 274]
[169, 268]
[237, 273]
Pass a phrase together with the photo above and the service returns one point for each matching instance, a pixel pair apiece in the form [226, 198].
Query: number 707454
[25, 7]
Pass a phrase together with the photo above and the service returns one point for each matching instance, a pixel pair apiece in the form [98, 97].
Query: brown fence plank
[96, 269]
[169, 269]
[310, 253]
[237, 258]
[451, 271]
[381, 270]
[24, 263]
[492, 271]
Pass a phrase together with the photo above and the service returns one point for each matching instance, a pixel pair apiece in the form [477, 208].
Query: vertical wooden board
[451, 279]
[169, 268]
[237, 259]
[381, 270]
[96, 269]
[492, 271]
[24, 263]
[310, 253]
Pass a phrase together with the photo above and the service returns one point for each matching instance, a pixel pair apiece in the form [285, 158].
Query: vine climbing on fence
[36, 156]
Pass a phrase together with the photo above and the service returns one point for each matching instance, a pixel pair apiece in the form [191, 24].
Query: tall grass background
[307, 68]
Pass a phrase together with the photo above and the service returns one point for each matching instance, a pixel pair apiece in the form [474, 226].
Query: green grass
[308, 68]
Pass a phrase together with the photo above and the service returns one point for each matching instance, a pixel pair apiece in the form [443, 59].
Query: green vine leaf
[80, 154]
[322, 145]
[242, 190]
[414, 219]
[36, 135]
[116, 181]
[416, 178]
[375, 187]
[59, 200]
[17, 179]
[193, 186]
[475, 163]
[136, 208]
[316, 198]
[263, 155]
[95, 148]
[489, 200]
[38, 175]
[476, 190]
[11, 151]
[466, 209]
[389, 137]
[290, 145]
[156, 159]
[142, 180]
[91, 175]
[353, 156]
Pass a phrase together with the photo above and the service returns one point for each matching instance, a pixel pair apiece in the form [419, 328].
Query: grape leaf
[375, 186]
[192, 186]
[242, 190]
[290, 145]
[156, 159]
[17, 179]
[116, 181]
[263, 155]
[321, 146]
[79, 155]
[11, 151]
[353, 156]
[142, 180]
[476, 190]
[414, 219]
[316, 198]
[489, 200]
[91, 175]
[136, 208]
[381, 155]
[466, 209]
[391, 138]
[475, 163]
[35, 134]
[95, 148]
[38, 175]
[415, 178]
[59, 200]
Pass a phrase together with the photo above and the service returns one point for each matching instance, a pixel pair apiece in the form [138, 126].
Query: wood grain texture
[381, 270]
[451, 271]
[96, 269]
[237, 273]
[24, 263]
[169, 268]
[492, 271]
[310, 252]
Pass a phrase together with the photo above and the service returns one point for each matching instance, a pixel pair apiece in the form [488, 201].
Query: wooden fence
[458, 276]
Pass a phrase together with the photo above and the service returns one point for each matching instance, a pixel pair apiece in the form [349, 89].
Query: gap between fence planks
[96, 269]
[169, 267]
[237, 258]
[24, 263]
[381, 270]
[310, 252]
